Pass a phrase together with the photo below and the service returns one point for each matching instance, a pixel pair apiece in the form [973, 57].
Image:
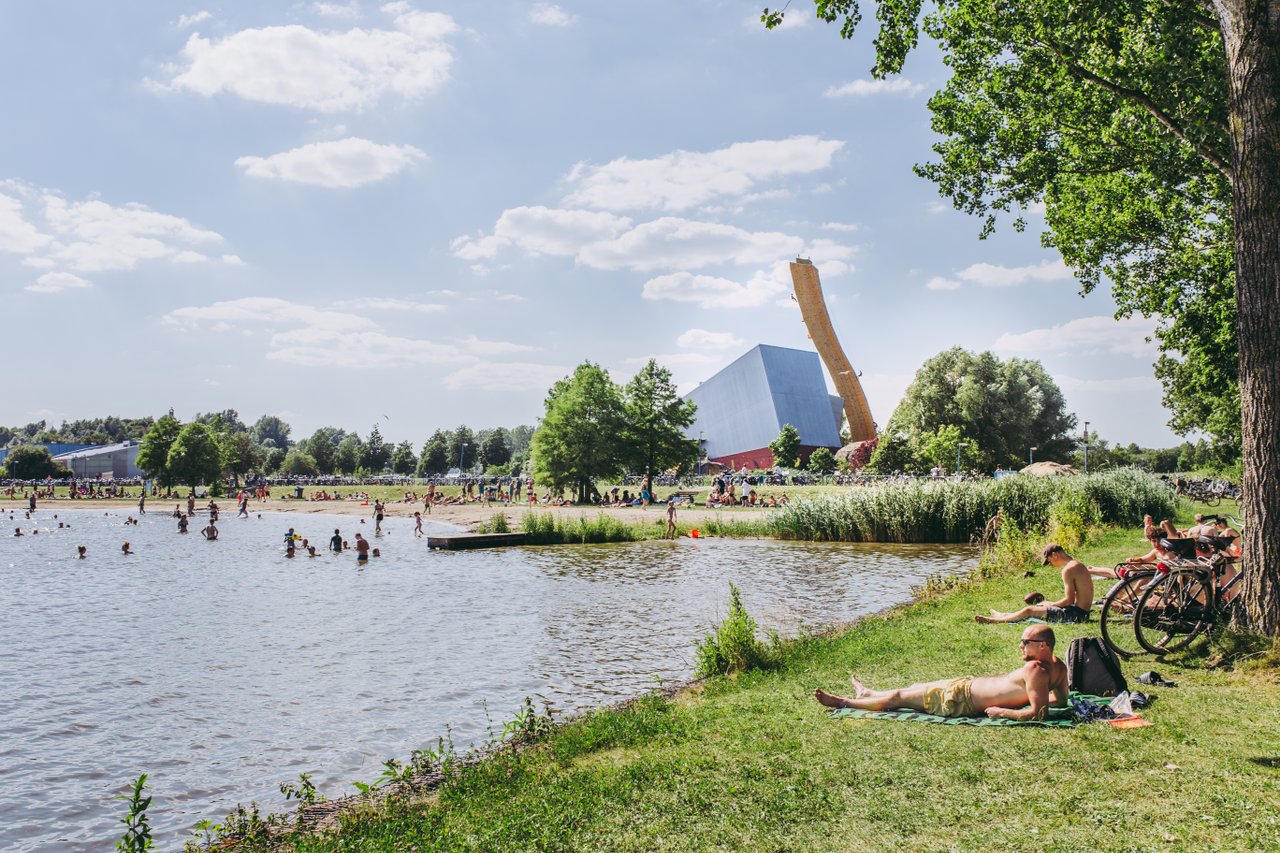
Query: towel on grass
[1057, 718]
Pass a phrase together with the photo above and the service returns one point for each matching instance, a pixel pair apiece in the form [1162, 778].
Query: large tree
[1150, 130]
[240, 454]
[271, 431]
[402, 459]
[376, 454]
[323, 447]
[30, 462]
[435, 455]
[656, 421]
[195, 456]
[462, 448]
[346, 459]
[494, 447]
[579, 440]
[1005, 407]
[153, 455]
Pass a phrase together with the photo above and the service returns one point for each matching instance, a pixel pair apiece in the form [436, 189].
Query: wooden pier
[464, 541]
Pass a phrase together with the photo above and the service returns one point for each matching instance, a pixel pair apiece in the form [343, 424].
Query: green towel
[1058, 718]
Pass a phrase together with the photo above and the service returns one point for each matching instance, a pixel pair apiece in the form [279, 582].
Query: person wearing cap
[1077, 593]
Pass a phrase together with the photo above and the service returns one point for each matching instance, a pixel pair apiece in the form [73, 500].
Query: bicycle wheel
[1212, 498]
[1116, 617]
[1172, 612]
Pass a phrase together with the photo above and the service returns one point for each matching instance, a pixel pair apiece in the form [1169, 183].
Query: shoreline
[465, 516]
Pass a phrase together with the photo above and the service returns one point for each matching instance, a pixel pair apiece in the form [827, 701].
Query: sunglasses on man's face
[1028, 642]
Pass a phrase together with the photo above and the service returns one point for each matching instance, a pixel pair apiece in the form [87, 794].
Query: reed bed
[947, 511]
[549, 528]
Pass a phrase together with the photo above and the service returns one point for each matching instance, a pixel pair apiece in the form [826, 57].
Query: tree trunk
[1251, 36]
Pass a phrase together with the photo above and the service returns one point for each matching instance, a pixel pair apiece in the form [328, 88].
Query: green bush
[733, 646]
[549, 528]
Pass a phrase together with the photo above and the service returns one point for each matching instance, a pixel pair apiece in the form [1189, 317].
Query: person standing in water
[417, 526]
[210, 532]
[335, 541]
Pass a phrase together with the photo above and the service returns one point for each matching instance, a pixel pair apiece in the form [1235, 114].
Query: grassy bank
[753, 763]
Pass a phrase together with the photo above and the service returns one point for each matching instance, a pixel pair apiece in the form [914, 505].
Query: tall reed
[947, 511]
[549, 528]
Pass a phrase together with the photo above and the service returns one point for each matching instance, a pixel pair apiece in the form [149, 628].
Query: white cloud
[542, 230]
[232, 260]
[268, 309]
[387, 304]
[940, 283]
[504, 376]
[702, 339]
[94, 235]
[671, 243]
[684, 179]
[936, 207]
[362, 350]
[1117, 385]
[191, 20]
[481, 347]
[551, 15]
[56, 282]
[344, 163]
[325, 71]
[863, 88]
[993, 275]
[349, 11]
[1086, 334]
[714, 292]
[17, 234]
[839, 226]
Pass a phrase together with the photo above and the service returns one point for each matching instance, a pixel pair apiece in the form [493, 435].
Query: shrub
[549, 528]
[733, 646]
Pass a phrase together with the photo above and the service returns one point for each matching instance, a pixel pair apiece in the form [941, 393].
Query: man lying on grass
[1077, 593]
[1024, 694]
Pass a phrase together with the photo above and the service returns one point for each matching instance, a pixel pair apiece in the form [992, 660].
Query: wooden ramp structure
[467, 541]
[813, 308]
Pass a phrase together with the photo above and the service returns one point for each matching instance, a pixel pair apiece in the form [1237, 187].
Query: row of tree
[594, 429]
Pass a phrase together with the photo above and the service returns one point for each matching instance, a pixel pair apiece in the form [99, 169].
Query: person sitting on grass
[1024, 694]
[1077, 597]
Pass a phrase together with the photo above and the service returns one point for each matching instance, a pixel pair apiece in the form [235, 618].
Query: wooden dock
[464, 541]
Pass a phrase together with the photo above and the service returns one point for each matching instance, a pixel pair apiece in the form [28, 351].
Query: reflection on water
[222, 669]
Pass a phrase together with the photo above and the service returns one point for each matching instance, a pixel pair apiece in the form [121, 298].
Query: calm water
[222, 669]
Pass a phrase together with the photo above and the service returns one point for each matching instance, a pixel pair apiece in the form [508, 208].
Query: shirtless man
[1077, 597]
[210, 532]
[1024, 694]
[671, 519]
[362, 549]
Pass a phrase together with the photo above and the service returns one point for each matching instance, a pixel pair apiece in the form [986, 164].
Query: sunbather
[1077, 593]
[1023, 694]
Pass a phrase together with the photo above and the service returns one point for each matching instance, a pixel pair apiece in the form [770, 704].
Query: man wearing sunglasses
[1024, 694]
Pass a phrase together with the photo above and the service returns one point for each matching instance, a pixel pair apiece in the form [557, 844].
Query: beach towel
[1061, 718]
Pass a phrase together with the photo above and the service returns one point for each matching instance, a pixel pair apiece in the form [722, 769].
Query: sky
[421, 214]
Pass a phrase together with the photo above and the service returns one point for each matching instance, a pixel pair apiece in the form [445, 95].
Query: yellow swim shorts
[950, 698]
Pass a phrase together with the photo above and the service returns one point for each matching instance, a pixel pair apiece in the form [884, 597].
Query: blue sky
[422, 214]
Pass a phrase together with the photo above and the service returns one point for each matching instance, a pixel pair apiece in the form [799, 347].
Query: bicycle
[1188, 596]
[1119, 606]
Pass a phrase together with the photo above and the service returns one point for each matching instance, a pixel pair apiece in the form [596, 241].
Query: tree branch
[1142, 100]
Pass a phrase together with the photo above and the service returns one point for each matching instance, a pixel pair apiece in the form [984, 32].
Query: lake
[223, 669]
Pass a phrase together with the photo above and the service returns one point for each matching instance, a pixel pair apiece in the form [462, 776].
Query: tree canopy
[28, 462]
[656, 419]
[194, 457]
[579, 439]
[1149, 130]
[786, 447]
[153, 455]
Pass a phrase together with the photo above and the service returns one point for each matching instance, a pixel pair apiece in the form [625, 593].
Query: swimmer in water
[311, 551]
[124, 549]
[17, 531]
[82, 551]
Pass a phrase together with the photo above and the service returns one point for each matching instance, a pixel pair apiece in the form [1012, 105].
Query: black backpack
[1092, 668]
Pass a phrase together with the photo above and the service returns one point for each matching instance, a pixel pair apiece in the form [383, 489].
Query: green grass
[753, 763]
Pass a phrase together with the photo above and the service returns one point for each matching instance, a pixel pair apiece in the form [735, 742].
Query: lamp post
[1031, 456]
[1086, 447]
[462, 454]
[700, 454]
[959, 444]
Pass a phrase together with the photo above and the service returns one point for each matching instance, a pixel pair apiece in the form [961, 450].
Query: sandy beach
[465, 517]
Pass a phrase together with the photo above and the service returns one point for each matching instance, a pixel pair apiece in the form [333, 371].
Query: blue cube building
[743, 407]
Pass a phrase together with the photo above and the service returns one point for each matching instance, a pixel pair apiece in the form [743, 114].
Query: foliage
[435, 455]
[271, 431]
[376, 453]
[153, 455]
[346, 459]
[1004, 407]
[108, 430]
[299, 463]
[29, 462]
[462, 448]
[496, 523]
[137, 828]
[304, 791]
[733, 646]
[892, 453]
[656, 419]
[578, 441]
[195, 457]
[402, 459]
[240, 454]
[786, 447]
[323, 447]
[822, 461]
[937, 448]
[494, 448]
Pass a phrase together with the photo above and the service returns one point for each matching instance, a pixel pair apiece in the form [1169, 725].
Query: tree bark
[1251, 36]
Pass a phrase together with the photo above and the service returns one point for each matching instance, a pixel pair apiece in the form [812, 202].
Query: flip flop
[1154, 679]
